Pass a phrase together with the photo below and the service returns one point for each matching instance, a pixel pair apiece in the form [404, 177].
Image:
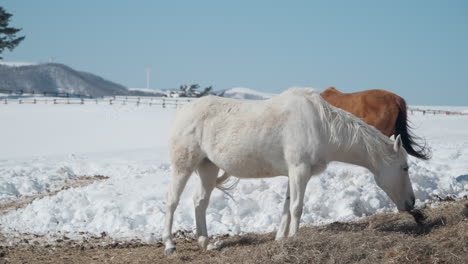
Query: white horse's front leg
[298, 179]
[285, 218]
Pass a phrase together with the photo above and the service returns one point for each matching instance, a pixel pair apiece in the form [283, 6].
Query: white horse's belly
[250, 168]
[249, 158]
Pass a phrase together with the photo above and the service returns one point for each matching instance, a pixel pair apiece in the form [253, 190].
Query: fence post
[20, 102]
[6, 101]
[163, 103]
[82, 101]
[35, 101]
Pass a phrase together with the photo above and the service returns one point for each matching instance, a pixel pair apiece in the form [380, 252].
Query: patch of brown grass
[383, 238]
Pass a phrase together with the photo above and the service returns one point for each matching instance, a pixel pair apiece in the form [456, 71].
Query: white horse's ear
[392, 137]
[397, 144]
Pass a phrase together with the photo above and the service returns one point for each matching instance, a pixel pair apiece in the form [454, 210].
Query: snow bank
[109, 141]
[28, 177]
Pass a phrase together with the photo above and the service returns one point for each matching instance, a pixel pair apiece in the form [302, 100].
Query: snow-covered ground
[43, 145]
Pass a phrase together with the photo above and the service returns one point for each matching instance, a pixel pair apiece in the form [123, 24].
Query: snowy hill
[53, 77]
[16, 63]
[148, 92]
[59, 78]
[245, 93]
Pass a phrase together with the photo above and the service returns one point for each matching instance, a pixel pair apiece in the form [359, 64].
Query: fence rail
[109, 100]
[20, 97]
[23, 93]
[34, 97]
[435, 112]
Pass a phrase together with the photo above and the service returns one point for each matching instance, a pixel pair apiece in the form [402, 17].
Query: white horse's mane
[339, 120]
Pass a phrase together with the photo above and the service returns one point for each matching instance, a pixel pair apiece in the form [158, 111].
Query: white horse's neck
[351, 140]
[356, 154]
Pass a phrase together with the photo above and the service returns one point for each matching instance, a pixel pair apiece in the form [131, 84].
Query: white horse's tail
[225, 186]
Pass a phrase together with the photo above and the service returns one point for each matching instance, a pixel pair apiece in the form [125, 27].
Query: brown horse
[382, 109]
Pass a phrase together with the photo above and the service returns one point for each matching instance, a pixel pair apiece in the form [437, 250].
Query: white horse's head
[392, 177]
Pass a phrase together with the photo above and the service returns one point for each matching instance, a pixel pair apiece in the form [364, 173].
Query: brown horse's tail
[410, 141]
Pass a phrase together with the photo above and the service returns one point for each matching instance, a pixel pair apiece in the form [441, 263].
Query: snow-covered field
[41, 146]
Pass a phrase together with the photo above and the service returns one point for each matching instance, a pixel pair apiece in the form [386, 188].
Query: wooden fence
[22, 93]
[163, 102]
[412, 110]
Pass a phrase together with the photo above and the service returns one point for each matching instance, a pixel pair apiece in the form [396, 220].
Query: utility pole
[148, 75]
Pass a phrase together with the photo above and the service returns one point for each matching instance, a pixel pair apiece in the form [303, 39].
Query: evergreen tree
[8, 39]
[192, 90]
[189, 90]
[206, 91]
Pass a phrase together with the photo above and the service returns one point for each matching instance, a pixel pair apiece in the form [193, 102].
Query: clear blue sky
[417, 49]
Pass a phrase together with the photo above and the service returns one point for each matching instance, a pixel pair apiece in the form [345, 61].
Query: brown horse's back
[378, 108]
[382, 109]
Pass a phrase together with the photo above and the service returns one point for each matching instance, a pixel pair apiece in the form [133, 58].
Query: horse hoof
[169, 251]
[216, 246]
[203, 242]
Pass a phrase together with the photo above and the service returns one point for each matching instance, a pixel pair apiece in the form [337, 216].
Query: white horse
[295, 134]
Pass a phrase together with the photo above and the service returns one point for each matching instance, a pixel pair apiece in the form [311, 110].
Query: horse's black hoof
[419, 217]
[169, 251]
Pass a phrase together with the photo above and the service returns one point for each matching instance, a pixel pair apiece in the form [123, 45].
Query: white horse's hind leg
[184, 160]
[208, 173]
[176, 187]
[298, 179]
[285, 218]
